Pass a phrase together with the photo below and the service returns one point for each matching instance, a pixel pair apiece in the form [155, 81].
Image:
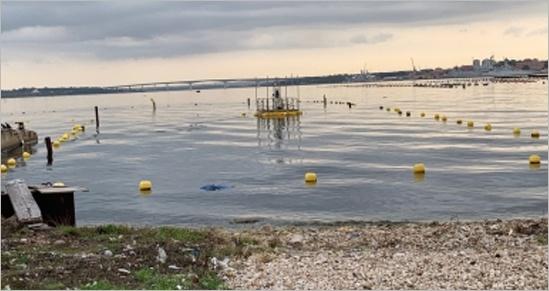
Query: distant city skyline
[108, 43]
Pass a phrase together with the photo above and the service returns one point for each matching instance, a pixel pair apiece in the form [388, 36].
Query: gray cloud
[514, 31]
[120, 30]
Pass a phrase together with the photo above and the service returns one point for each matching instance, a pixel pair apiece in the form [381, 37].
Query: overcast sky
[119, 42]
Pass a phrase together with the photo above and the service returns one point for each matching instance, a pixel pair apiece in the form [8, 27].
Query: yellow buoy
[516, 131]
[397, 109]
[437, 117]
[243, 114]
[145, 185]
[11, 163]
[422, 114]
[470, 124]
[26, 155]
[444, 118]
[459, 121]
[74, 132]
[3, 168]
[77, 127]
[419, 168]
[56, 144]
[534, 159]
[535, 134]
[488, 127]
[65, 136]
[310, 177]
[58, 185]
[388, 109]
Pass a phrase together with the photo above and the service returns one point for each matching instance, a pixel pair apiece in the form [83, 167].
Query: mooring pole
[47, 141]
[97, 119]
[248, 102]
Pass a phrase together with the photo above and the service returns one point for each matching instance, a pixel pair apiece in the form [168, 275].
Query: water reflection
[279, 133]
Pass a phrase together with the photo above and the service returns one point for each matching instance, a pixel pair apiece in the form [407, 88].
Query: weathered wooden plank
[54, 190]
[26, 209]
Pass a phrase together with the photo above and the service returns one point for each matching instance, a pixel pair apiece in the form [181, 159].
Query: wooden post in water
[248, 102]
[47, 141]
[97, 119]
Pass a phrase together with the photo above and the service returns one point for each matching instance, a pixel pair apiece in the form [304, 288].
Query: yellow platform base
[278, 114]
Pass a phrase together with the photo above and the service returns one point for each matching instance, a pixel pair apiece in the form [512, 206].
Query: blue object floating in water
[213, 187]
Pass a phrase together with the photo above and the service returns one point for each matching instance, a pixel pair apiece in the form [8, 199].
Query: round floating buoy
[3, 168]
[399, 112]
[388, 109]
[535, 134]
[74, 132]
[77, 127]
[65, 136]
[11, 163]
[444, 118]
[408, 113]
[26, 155]
[470, 124]
[534, 159]
[488, 127]
[397, 109]
[419, 168]
[422, 114]
[380, 107]
[459, 121]
[56, 144]
[516, 131]
[58, 185]
[145, 185]
[243, 114]
[310, 177]
[437, 117]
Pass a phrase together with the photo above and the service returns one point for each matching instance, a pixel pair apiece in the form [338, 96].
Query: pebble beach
[498, 254]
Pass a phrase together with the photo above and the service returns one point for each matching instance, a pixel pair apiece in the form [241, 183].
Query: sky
[99, 43]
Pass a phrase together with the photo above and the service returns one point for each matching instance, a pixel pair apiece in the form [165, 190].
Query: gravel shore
[498, 254]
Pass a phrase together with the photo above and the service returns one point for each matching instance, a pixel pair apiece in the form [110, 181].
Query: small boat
[13, 138]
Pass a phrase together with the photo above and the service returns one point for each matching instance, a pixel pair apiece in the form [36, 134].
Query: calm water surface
[363, 156]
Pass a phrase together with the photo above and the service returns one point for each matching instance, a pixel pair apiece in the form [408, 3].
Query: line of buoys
[310, 178]
[3, 168]
[11, 163]
[534, 134]
[488, 127]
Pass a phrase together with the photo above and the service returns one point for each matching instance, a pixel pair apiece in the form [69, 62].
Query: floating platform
[277, 106]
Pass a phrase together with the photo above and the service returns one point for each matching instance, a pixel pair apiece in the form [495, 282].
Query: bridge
[204, 83]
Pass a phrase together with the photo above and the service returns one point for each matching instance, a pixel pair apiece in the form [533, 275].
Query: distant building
[476, 64]
[487, 64]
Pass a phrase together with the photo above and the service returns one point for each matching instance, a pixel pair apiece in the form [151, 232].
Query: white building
[476, 64]
[487, 64]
